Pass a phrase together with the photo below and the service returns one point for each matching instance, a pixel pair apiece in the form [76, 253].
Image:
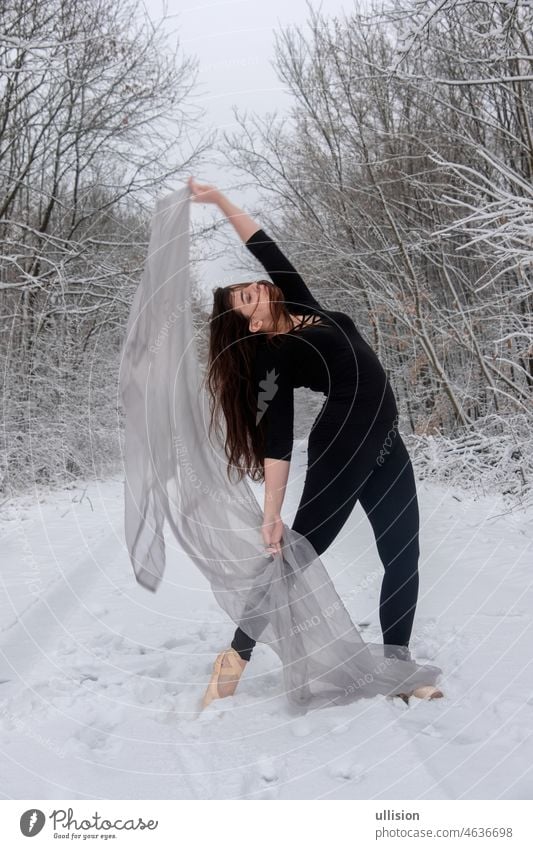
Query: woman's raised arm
[244, 224]
[278, 267]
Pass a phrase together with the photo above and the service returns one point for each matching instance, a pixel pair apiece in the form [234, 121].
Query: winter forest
[406, 163]
[397, 175]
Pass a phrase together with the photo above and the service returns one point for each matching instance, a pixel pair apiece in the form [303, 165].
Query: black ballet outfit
[355, 451]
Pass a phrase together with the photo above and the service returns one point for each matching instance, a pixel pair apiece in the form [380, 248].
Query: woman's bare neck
[303, 321]
[295, 320]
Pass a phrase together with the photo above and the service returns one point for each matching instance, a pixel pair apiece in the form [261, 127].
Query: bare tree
[94, 111]
[403, 176]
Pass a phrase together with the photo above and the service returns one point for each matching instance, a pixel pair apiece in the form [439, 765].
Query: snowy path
[103, 678]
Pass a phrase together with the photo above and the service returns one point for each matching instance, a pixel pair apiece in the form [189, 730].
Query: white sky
[234, 43]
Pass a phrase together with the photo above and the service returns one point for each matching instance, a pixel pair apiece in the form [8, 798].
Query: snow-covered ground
[102, 679]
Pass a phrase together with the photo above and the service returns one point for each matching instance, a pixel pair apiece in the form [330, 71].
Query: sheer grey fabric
[175, 473]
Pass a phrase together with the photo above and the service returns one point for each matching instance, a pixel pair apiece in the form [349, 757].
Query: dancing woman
[266, 338]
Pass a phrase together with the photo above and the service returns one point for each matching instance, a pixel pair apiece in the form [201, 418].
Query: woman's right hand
[272, 531]
[202, 192]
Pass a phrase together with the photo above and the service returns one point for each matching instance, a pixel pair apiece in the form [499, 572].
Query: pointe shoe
[427, 691]
[227, 670]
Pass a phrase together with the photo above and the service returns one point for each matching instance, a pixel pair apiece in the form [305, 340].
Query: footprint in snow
[261, 780]
[159, 670]
[183, 709]
[346, 769]
[457, 725]
[175, 642]
[65, 646]
[267, 768]
[95, 737]
[341, 727]
[301, 727]
[146, 690]
[431, 731]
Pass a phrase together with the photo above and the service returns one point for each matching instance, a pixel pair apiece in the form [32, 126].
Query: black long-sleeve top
[328, 356]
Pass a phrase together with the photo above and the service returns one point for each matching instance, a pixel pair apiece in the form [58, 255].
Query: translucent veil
[174, 472]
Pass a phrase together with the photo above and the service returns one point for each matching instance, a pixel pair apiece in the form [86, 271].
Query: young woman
[266, 338]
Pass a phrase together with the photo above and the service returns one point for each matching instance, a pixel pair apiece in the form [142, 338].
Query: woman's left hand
[272, 531]
[202, 192]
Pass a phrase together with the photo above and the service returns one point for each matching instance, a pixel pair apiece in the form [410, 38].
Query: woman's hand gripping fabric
[272, 531]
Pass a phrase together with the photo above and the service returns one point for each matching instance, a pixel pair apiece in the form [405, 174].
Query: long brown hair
[230, 381]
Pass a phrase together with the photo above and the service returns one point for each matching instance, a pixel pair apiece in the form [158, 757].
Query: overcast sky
[234, 43]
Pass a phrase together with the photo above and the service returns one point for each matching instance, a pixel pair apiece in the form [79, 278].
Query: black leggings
[387, 492]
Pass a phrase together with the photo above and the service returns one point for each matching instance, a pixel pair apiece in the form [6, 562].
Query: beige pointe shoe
[227, 670]
[427, 691]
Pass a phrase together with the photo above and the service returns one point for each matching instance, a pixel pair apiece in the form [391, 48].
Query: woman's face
[252, 300]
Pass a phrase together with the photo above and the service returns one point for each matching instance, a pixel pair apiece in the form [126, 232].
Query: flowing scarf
[175, 472]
